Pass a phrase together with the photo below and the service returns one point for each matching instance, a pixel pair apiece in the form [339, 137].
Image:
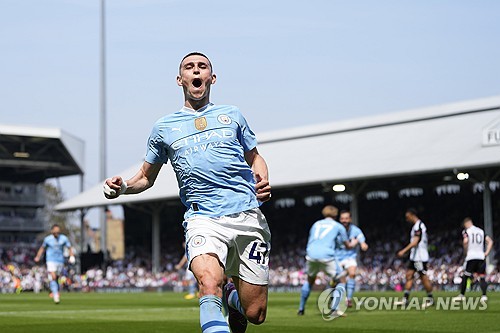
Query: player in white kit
[419, 256]
[477, 246]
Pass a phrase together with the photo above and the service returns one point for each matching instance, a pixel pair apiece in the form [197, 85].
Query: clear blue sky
[284, 63]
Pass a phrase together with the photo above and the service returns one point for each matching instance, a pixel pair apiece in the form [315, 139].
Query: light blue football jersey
[323, 238]
[54, 248]
[206, 149]
[353, 232]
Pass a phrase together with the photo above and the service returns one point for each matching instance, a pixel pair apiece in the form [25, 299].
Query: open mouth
[197, 83]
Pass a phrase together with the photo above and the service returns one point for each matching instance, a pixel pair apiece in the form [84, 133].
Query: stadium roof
[33, 154]
[437, 139]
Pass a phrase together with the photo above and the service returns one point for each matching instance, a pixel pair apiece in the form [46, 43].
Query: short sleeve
[419, 229]
[156, 150]
[67, 243]
[342, 237]
[361, 237]
[246, 135]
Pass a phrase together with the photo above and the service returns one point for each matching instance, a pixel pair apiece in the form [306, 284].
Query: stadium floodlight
[338, 187]
[462, 176]
[21, 154]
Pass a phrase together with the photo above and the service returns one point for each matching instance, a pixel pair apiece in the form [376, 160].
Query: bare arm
[39, 254]
[489, 245]
[413, 243]
[142, 180]
[261, 174]
[181, 263]
[465, 244]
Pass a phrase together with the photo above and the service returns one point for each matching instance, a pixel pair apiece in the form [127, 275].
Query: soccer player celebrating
[53, 246]
[222, 178]
[474, 247]
[321, 251]
[347, 257]
[419, 256]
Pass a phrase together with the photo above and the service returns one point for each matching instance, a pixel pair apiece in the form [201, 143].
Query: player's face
[345, 219]
[195, 77]
[56, 231]
[410, 217]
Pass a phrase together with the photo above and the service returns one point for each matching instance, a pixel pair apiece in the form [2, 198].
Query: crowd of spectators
[379, 268]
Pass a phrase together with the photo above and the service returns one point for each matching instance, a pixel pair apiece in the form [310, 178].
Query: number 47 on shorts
[259, 252]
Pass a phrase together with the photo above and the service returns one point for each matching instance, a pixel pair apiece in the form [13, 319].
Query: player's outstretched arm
[143, 179]
[261, 173]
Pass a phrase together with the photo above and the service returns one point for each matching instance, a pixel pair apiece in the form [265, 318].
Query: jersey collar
[200, 110]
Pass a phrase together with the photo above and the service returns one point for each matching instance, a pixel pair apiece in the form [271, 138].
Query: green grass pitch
[169, 312]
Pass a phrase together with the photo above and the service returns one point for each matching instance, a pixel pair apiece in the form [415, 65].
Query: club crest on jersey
[200, 123]
[197, 241]
[224, 119]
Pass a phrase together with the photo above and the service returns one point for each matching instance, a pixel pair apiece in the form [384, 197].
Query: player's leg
[466, 275]
[206, 250]
[306, 291]
[409, 282]
[426, 282]
[209, 273]
[333, 269]
[252, 300]
[341, 277]
[351, 283]
[342, 281]
[481, 271]
[483, 284]
[52, 269]
[410, 272]
[248, 265]
[191, 284]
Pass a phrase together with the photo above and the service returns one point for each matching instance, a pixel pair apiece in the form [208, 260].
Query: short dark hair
[344, 211]
[198, 54]
[55, 225]
[412, 211]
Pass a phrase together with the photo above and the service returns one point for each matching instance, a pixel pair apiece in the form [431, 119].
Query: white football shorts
[348, 262]
[241, 241]
[56, 267]
[314, 266]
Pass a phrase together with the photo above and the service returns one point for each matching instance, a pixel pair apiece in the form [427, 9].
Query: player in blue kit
[324, 238]
[222, 181]
[347, 256]
[53, 246]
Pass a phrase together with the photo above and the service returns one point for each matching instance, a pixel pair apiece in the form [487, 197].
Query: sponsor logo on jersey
[224, 119]
[211, 135]
[200, 123]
